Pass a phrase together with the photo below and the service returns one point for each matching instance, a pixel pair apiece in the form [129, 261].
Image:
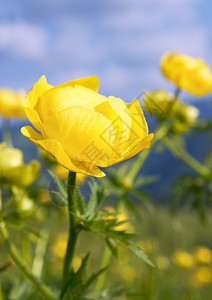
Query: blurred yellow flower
[12, 167]
[162, 262]
[185, 116]
[60, 244]
[183, 259]
[127, 273]
[82, 129]
[190, 74]
[203, 255]
[203, 276]
[160, 103]
[11, 103]
[120, 216]
[59, 249]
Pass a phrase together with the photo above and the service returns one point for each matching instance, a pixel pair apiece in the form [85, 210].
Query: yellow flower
[185, 116]
[203, 276]
[183, 259]
[59, 246]
[190, 74]
[127, 272]
[120, 216]
[162, 262]
[203, 255]
[11, 104]
[82, 129]
[160, 103]
[13, 170]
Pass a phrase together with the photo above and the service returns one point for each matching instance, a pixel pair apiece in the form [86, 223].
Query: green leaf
[95, 200]
[60, 184]
[139, 252]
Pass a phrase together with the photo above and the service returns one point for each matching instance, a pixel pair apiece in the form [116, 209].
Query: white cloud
[22, 40]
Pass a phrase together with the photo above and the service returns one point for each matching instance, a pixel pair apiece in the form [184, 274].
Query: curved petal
[143, 144]
[91, 82]
[86, 135]
[34, 118]
[55, 149]
[36, 91]
[57, 99]
[32, 99]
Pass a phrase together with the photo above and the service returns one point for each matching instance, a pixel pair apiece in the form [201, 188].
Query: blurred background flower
[11, 103]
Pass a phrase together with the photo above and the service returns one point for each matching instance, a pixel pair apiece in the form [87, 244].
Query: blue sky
[120, 41]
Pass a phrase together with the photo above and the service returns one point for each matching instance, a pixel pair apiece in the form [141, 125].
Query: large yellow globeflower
[11, 103]
[82, 129]
[190, 74]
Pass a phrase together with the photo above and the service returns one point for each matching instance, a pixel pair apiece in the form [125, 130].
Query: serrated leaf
[139, 252]
[60, 184]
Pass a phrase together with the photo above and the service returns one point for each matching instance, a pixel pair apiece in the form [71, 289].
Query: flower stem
[73, 228]
[47, 293]
[188, 159]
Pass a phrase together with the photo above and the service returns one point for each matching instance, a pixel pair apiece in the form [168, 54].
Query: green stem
[188, 159]
[47, 293]
[73, 228]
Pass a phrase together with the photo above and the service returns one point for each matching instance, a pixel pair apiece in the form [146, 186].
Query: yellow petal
[57, 99]
[91, 82]
[143, 144]
[34, 118]
[55, 149]
[32, 99]
[139, 124]
[84, 134]
[122, 111]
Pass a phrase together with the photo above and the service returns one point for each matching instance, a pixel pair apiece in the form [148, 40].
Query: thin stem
[22, 265]
[73, 227]
[188, 159]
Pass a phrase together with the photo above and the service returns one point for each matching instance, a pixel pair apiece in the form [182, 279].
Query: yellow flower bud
[82, 129]
[160, 103]
[183, 259]
[13, 170]
[185, 116]
[190, 74]
[11, 104]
